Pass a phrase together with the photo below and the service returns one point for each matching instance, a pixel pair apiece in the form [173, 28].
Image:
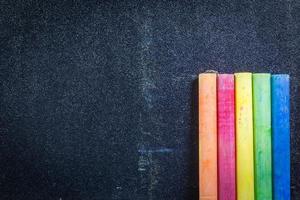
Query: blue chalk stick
[281, 136]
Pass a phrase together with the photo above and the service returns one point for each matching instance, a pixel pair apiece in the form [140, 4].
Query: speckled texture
[97, 100]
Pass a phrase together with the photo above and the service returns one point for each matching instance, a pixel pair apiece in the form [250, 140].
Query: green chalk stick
[262, 136]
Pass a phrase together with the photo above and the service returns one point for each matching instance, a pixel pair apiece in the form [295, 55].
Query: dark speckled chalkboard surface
[98, 99]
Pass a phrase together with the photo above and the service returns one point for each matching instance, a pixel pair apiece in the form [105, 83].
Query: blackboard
[98, 99]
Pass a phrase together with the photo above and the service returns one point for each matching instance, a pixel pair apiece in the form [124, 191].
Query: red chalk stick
[226, 138]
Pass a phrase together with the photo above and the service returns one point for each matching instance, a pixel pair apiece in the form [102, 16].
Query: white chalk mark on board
[159, 150]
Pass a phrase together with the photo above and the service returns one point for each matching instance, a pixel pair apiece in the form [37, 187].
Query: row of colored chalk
[244, 136]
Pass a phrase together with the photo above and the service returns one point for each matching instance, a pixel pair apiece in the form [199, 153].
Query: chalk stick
[208, 136]
[262, 135]
[281, 136]
[244, 136]
[226, 137]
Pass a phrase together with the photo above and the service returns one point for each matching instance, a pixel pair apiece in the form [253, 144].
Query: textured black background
[97, 99]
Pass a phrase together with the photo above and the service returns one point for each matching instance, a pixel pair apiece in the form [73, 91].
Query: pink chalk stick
[226, 138]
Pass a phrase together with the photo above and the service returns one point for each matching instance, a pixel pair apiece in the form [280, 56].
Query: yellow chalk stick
[244, 136]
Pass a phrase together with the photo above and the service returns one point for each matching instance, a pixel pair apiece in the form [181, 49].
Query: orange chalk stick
[208, 184]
